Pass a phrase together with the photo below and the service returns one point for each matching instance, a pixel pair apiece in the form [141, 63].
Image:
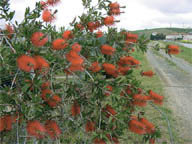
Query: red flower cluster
[51, 100]
[109, 90]
[93, 25]
[75, 109]
[108, 50]
[59, 44]
[95, 67]
[90, 126]
[38, 130]
[147, 73]
[42, 65]
[76, 47]
[110, 69]
[131, 38]
[26, 63]
[47, 16]
[109, 20]
[79, 26]
[110, 110]
[52, 129]
[74, 58]
[173, 49]
[157, 99]
[67, 35]
[99, 34]
[128, 60]
[10, 30]
[114, 9]
[141, 126]
[38, 39]
[7, 121]
[140, 100]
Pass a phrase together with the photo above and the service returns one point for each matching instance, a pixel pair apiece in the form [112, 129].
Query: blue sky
[139, 14]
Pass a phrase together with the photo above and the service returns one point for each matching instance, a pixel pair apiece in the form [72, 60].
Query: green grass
[165, 31]
[186, 53]
[186, 41]
[152, 114]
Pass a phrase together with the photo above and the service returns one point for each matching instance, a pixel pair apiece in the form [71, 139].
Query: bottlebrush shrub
[97, 94]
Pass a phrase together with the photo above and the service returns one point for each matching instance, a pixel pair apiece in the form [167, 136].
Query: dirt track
[176, 75]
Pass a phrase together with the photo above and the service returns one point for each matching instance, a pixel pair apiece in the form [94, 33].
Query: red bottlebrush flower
[109, 90]
[110, 110]
[67, 35]
[80, 26]
[115, 12]
[38, 39]
[91, 26]
[136, 126]
[59, 44]
[95, 67]
[45, 85]
[90, 126]
[8, 122]
[53, 101]
[151, 141]
[147, 73]
[150, 128]
[128, 90]
[108, 50]
[75, 68]
[2, 124]
[42, 64]
[99, 34]
[131, 38]
[123, 70]
[10, 30]
[36, 129]
[53, 2]
[47, 16]
[26, 63]
[76, 47]
[173, 49]
[114, 5]
[110, 69]
[99, 141]
[52, 129]
[71, 55]
[139, 100]
[45, 93]
[128, 60]
[75, 109]
[157, 99]
[43, 4]
[109, 20]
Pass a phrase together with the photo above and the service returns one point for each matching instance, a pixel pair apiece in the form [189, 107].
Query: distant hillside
[165, 31]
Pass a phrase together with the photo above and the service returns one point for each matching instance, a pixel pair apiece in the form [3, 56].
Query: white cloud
[139, 14]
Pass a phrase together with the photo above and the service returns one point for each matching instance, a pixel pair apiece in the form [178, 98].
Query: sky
[139, 14]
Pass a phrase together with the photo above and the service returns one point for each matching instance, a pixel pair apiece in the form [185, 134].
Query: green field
[165, 31]
[153, 114]
[186, 53]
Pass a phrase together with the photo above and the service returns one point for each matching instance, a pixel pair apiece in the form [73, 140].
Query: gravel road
[177, 79]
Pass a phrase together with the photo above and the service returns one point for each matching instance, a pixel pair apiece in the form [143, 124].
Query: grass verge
[152, 114]
[186, 53]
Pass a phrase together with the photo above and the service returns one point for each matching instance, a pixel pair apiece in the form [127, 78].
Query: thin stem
[14, 51]
[168, 122]
[13, 81]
